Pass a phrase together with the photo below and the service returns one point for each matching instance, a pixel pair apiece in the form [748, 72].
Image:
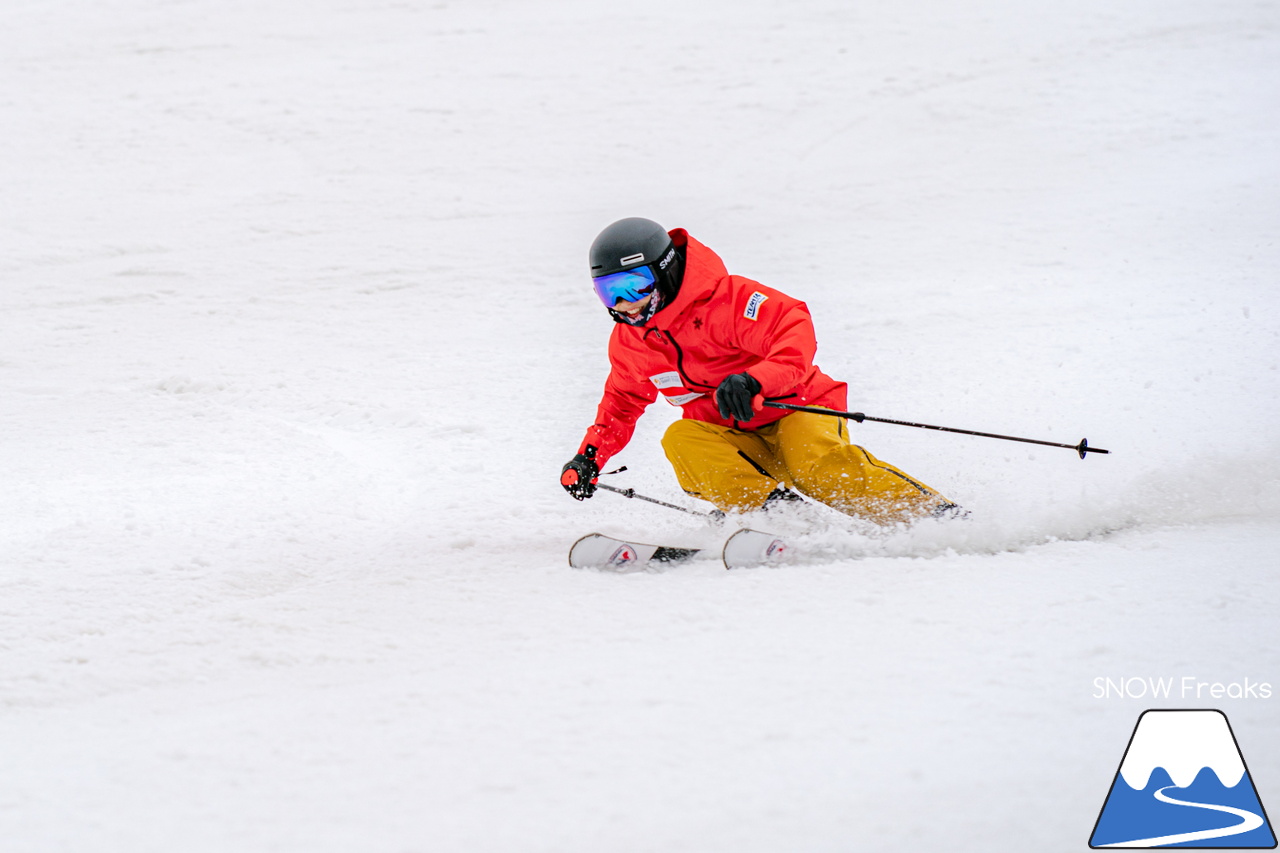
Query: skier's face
[632, 309]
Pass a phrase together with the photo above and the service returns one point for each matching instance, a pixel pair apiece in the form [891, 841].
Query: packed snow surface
[296, 333]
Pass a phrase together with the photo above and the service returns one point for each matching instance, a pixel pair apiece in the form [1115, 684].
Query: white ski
[597, 551]
[748, 548]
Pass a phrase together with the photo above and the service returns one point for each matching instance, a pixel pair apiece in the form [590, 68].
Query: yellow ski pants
[738, 469]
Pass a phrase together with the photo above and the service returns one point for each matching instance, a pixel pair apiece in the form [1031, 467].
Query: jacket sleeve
[779, 330]
[625, 399]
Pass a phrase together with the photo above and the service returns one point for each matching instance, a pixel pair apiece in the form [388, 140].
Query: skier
[718, 346]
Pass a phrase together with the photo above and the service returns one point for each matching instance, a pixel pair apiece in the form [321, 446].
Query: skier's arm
[625, 399]
[781, 334]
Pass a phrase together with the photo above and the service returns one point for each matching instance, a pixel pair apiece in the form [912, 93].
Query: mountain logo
[1183, 783]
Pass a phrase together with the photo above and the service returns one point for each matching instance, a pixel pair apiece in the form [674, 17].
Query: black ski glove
[735, 396]
[579, 474]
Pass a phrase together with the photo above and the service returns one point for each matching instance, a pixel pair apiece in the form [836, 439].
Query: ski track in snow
[295, 337]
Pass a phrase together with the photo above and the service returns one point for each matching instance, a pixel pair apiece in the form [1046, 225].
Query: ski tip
[576, 550]
[750, 548]
[597, 551]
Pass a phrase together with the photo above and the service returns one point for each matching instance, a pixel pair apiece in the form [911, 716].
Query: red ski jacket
[718, 325]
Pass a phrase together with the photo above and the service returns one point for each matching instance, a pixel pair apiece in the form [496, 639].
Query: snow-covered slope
[295, 334]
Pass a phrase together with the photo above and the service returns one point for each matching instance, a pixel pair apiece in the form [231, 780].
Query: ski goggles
[626, 286]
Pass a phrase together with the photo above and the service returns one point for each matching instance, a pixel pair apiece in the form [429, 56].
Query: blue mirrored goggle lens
[627, 286]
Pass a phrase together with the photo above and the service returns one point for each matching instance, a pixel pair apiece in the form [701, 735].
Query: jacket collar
[703, 272]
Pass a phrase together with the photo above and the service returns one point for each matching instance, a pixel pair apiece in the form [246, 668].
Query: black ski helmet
[628, 243]
[636, 242]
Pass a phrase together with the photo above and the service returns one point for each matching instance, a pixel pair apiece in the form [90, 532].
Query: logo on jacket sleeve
[753, 305]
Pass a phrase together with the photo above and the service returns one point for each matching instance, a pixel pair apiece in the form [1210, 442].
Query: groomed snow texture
[296, 332]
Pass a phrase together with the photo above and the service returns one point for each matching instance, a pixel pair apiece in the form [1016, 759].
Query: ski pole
[714, 515]
[631, 493]
[1082, 448]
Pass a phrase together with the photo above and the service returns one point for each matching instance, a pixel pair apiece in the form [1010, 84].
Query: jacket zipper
[689, 383]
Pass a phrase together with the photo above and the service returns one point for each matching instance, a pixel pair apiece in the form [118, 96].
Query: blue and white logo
[1183, 783]
[753, 305]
